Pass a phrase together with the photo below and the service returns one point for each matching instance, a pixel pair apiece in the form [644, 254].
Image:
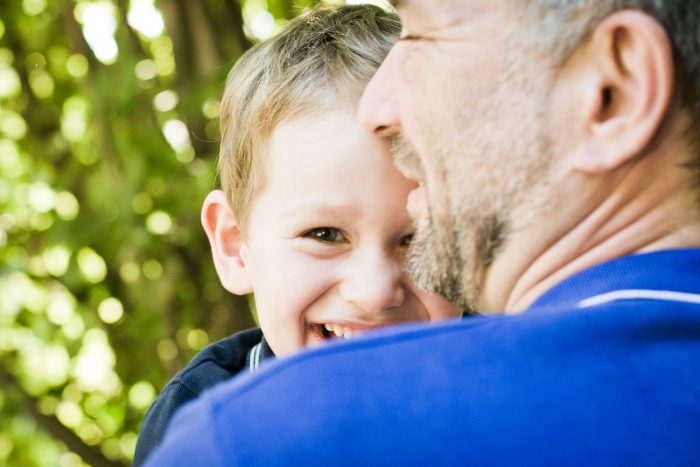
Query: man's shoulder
[470, 385]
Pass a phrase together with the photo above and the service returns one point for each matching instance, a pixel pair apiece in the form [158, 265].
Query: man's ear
[627, 81]
[227, 244]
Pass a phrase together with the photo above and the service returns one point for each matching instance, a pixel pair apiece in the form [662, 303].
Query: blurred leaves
[108, 144]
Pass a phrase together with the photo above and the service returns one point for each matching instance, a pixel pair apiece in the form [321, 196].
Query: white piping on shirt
[631, 294]
[255, 356]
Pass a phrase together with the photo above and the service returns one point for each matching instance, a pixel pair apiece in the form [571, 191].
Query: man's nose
[373, 282]
[378, 110]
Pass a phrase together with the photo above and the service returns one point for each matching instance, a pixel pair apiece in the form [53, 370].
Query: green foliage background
[106, 282]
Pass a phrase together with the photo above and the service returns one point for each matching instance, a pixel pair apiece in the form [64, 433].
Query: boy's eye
[325, 234]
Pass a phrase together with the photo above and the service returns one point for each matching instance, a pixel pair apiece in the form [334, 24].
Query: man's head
[522, 119]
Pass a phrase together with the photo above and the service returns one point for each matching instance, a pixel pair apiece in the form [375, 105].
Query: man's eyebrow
[395, 3]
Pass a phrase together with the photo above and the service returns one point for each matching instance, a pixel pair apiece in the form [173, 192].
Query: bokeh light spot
[33, 7]
[41, 197]
[47, 363]
[261, 24]
[92, 266]
[167, 350]
[152, 269]
[61, 308]
[74, 329]
[66, 205]
[10, 84]
[90, 433]
[210, 108]
[35, 61]
[177, 135]
[129, 272]
[145, 70]
[56, 259]
[165, 100]
[145, 18]
[111, 449]
[94, 404]
[141, 394]
[142, 202]
[186, 155]
[13, 125]
[36, 266]
[77, 65]
[41, 221]
[69, 413]
[6, 446]
[72, 393]
[99, 24]
[9, 161]
[197, 339]
[127, 444]
[42, 84]
[110, 310]
[94, 365]
[159, 223]
[70, 459]
[74, 119]
[47, 405]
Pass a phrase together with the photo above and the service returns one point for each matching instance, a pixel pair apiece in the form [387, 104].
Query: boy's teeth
[339, 331]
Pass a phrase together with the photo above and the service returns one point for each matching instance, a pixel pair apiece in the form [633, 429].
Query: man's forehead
[421, 16]
[454, 8]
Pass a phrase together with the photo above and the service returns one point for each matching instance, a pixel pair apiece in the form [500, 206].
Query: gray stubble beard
[435, 260]
[451, 255]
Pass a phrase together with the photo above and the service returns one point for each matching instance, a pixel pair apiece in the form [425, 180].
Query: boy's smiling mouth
[346, 331]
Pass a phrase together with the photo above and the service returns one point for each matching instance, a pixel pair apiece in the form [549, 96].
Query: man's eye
[325, 234]
[408, 37]
[406, 240]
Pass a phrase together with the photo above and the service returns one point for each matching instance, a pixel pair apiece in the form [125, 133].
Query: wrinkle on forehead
[448, 15]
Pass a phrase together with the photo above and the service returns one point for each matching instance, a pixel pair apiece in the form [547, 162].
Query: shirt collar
[261, 351]
[668, 270]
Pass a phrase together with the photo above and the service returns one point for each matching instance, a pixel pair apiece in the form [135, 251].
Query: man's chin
[434, 266]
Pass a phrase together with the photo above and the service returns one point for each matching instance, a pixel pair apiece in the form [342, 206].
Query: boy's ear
[625, 79]
[227, 244]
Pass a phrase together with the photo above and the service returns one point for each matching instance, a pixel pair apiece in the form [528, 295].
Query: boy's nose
[378, 110]
[374, 283]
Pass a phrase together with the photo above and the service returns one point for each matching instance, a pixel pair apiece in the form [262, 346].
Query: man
[557, 147]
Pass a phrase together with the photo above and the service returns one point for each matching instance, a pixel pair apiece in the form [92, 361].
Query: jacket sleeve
[174, 396]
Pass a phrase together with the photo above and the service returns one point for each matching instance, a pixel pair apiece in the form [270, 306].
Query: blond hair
[321, 61]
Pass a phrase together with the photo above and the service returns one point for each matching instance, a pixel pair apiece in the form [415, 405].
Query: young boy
[312, 215]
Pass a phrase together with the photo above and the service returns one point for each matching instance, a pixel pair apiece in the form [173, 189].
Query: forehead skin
[450, 20]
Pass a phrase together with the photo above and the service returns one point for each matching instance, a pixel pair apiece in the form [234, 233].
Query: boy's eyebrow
[317, 208]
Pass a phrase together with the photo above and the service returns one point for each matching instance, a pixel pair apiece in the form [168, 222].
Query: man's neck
[649, 205]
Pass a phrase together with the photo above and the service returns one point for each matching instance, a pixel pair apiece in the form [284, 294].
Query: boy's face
[326, 237]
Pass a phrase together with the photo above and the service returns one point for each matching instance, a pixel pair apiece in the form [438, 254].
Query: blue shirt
[604, 369]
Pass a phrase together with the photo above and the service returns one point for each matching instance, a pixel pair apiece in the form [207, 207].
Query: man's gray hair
[563, 24]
